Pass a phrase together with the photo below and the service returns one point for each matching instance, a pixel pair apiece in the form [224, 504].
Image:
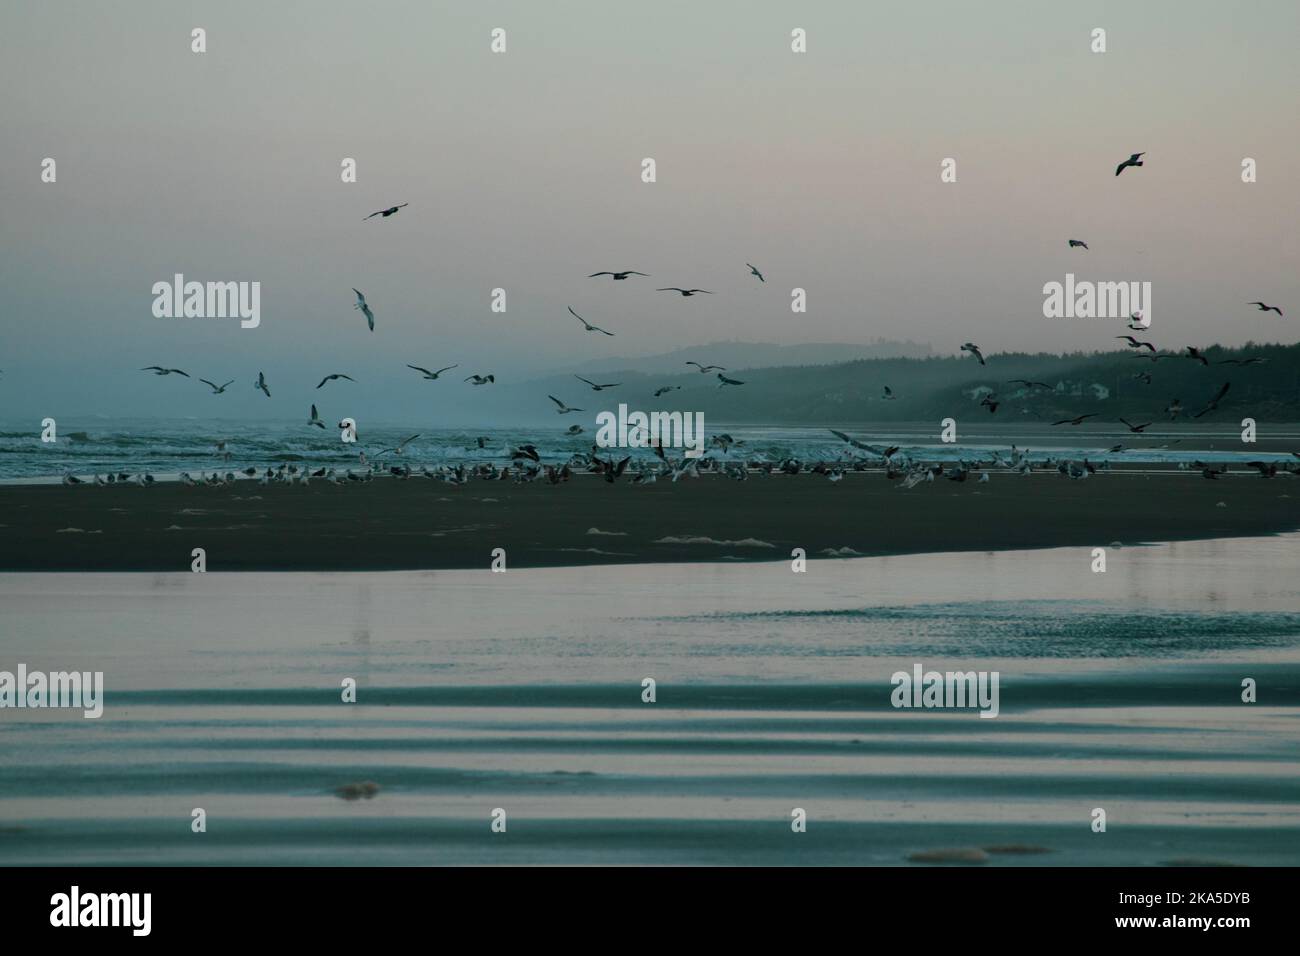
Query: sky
[523, 171]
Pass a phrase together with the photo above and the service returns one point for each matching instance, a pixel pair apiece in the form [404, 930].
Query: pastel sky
[522, 171]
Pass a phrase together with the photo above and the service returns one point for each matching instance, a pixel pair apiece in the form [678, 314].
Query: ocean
[523, 693]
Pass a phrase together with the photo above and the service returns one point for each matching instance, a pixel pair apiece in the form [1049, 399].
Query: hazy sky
[522, 171]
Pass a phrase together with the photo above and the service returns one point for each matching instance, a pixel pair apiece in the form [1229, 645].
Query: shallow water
[523, 691]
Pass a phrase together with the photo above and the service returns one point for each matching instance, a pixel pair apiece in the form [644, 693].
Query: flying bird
[391, 210]
[587, 325]
[1028, 384]
[401, 445]
[1195, 353]
[594, 386]
[1134, 160]
[315, 419]
[563, 409]
[673, 288]
[1077, 242]
[974, 350]
[261, 384]
[1214, 402]
[1135, 429]
[1266, 308]
[365, 309]
[1135, 344]
[431, 376]
[888, 395]
[707, 368]
[481, 379]
[1253, 360]
[1077, 420]
[1174, 409]
[619, 276]
[331, 377]
[159, 370]
[216, 389]
[727, 381]
[755, 272]
[665, 390]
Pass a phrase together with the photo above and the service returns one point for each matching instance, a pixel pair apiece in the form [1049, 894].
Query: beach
[420, 523]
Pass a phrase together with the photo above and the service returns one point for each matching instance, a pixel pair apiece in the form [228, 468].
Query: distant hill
[738, 355]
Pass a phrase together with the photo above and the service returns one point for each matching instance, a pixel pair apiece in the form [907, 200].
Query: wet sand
[419, 523]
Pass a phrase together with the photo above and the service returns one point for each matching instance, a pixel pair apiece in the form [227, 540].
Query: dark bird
[334, 375]
[1078, 420]
[673, 288]
[432, 376]
[594, 386]
[587, 325]
[619, 276]
[159, 370]
[391, 210]
[1214, 402]
[1135, 429]
[665, 390]
[1077, 242]
[1135, 344]
[727, 381]
[707, 368]
[974, 350]
[261, 384]
[755, 272]
[365, 310]
[481, 379]
[991, 402]
[1134, 160]
[612, 471]
[1266, 308]
[1143, 377]
[1028, 384]
[888, 395]
[1253, 360]
[1195, 353]
[216, 389]
[315, 419]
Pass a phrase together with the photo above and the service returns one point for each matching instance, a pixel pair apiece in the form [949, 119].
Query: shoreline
[420, 525]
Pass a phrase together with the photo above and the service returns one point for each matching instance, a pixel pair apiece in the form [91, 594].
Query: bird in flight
[159, 370]
[1214, 402]
[707, 368]
[1077, 420]
[974, 350]
[1134, 160]
[216, 389]
[1174, 409]
[1266, 308]
[1027, 383]
[1077, 242]
[723, 380]
[1195, 353]
[563, 409]
[1135, 429]
[594, 386]
[673, 288]
[665, 390]
[619, 276]
[365, 309]
[587, 325]
[1253, 360]
[391, 210]
[401, 445]
[1137, 323]
[315, 419]
[261, 384]
[431, 376]
[755, 272]
[331, 377]
[481, 379]
[1135, 344]
[888, 394]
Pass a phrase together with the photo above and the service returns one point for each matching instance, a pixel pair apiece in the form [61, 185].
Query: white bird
[365, 309]
[587, 325]
[563, 409]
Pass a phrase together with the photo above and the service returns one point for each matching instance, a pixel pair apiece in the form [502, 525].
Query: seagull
[1174, 409]
[1027, 383]
[261, 383]
[755, 272]
[1253, 360]
[619, 276]
[401, 445]
[888, 394]
[728, 381]
[685, 292]
[574, 430]
[1137, 323]
[386, 212]
[1134, 160]
[707, 368]
[1077, 242]
[431, 376]
[1194, 353]
[991, 402]
[1214, 402]
[1135, 344]
[563, 409]
[1135, 429]
[365, 309]
[159, 370]
[331, 377]
[587, 325]
[974, 350]
[594, 386]
[1266, 308]
[481, 379]
[315, 419]
[216, 389]
[1076, 421]
[666, 389]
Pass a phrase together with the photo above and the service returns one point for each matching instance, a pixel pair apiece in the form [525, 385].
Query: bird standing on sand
[391, 210]
[331, 377]
[755, 272]
[1134, 160]
[261, 384]
[684, 292]
[587, 325]
[1266, 308]
[365, 309]
[216, 389]
[619, 276]
[974, 350]
[432, 376]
